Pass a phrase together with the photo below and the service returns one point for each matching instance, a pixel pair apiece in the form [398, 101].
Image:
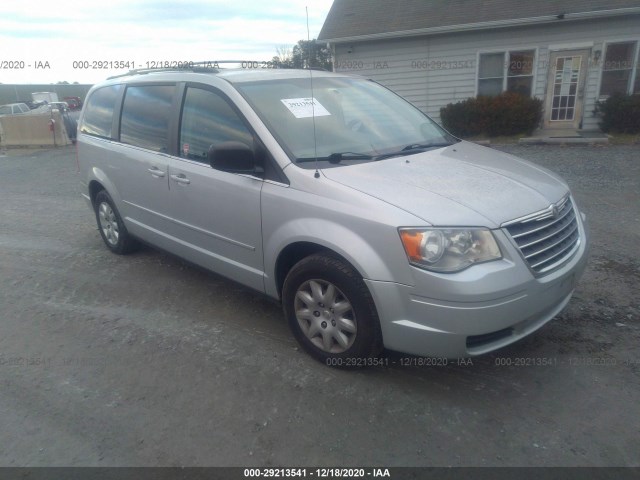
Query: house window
[491, 74]
[520, 72]
[506, 71]
[620, 61]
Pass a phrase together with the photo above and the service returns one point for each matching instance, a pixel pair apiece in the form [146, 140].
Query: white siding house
[570, 54]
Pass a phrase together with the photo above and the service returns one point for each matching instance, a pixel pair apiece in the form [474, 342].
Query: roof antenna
[313, 100]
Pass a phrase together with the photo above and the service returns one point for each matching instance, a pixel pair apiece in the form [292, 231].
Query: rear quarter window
[98, 115]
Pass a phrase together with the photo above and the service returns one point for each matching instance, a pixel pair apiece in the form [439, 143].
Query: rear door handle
[180, 178]
[156, 172]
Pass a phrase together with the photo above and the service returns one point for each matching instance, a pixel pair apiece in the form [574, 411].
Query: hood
[460, 185]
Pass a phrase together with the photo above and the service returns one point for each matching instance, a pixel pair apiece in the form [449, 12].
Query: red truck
[74, 102]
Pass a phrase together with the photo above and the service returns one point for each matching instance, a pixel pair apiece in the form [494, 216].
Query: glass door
[565, 89]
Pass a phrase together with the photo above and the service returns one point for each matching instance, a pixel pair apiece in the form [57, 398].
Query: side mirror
[234, 157]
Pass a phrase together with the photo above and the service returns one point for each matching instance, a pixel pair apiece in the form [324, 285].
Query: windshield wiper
[411, 148]
[337, 157]
[420, 146]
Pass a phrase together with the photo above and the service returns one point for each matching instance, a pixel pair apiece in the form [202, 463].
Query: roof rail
[207, 66]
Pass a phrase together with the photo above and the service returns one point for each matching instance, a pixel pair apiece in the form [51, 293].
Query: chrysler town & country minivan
[372, 225]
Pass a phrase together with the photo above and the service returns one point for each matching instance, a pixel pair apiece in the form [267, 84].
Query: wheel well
[94, 188]
[295, 252]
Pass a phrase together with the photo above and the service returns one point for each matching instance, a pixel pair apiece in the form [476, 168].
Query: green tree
[307, 53]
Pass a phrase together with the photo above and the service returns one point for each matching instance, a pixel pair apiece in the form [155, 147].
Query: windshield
[356, 120]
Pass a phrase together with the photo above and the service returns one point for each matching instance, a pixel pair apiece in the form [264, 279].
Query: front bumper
[478, 310]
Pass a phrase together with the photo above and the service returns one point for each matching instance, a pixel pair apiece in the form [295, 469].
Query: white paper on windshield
[305, 107]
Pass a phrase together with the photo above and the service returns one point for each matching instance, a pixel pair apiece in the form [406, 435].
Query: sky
[74, 40]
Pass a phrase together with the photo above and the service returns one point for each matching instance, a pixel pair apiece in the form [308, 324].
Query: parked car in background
[14, 109]
[33, 104]
[62, 107]
[75, 103]
[45, 97]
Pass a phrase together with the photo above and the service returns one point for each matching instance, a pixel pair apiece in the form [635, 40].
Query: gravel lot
[144, 360]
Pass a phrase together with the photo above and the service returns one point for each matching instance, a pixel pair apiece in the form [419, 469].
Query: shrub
[506, 114]
[620, 113]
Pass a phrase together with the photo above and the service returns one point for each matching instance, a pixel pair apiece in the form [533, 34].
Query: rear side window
[5, 110]
[208, 120]
[145, 116]
[98, 115]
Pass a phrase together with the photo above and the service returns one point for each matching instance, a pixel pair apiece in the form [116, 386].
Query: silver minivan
[373, 226]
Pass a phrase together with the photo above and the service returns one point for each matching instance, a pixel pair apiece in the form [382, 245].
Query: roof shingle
[354, 18]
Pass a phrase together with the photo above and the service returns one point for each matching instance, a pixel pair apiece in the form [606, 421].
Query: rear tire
[111, 226]
[331, 312]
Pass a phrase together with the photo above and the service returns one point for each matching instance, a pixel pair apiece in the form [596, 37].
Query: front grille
[548, 238]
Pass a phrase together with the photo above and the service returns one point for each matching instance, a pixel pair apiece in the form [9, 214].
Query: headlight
[449, 249]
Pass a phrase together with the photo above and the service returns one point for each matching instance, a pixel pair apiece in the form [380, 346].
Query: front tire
[331, 312]
[111, 226]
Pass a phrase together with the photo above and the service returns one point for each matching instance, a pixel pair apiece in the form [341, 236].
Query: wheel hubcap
[325, 316]
[108, 223]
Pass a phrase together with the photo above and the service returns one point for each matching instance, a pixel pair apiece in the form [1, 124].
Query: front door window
[565, 89]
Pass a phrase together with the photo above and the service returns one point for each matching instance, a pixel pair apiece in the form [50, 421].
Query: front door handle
[156, 172]
[180, 178]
